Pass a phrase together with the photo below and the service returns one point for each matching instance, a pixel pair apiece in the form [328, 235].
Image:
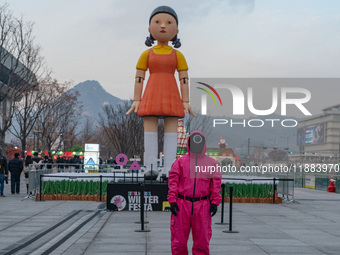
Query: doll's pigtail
[149, 41]
[176, 42]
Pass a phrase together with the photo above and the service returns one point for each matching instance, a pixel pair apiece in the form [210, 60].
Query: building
[15, 78]
[223, 155]
[320, 135]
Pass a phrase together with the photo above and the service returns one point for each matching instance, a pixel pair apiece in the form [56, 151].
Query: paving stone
[305, 227]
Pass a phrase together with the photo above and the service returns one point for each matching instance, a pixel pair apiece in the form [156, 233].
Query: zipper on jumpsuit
[193, 196]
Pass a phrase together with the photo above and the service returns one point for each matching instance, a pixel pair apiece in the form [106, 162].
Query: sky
[103, 39]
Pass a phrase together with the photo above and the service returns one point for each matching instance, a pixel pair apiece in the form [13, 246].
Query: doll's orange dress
[161, 97]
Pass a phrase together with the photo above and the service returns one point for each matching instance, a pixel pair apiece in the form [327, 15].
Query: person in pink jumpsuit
[193, 197]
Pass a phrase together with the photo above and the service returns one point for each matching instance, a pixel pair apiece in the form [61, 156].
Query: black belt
[193, 199]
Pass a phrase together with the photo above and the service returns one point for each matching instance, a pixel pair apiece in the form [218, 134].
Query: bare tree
[202, 123]
[105, 145]
[69, 121]
[125, 132]
[58, 118]
[28, 109]
[88, 135]
[20, 61]
[91, 133]
[71, 134]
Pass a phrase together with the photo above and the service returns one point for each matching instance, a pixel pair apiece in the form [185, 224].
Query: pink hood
[182, 177]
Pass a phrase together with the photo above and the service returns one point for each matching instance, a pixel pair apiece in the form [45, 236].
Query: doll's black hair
[168, 10]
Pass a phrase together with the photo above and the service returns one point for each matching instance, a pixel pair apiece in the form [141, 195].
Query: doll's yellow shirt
[142, 63]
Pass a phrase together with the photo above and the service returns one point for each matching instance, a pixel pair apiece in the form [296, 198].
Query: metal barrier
[76, 167]
[102, 168]
[34, 179]
[286, 189]
[281, 186]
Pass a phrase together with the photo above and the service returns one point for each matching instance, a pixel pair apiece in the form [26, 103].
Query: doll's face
[163, 27]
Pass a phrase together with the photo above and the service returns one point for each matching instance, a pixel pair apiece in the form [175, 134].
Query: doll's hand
[134, 107]
[187, 109]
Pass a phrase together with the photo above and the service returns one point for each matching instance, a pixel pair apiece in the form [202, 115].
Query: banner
[91, 158]
[126, 197]
[311, 135]
[310, 181]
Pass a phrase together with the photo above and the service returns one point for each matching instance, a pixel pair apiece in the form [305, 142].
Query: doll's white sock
[150, 150]
[170, 149]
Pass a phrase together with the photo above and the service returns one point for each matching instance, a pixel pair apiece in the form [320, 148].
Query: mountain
[93, 97]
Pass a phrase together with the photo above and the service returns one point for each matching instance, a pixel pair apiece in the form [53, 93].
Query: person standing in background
[47, 162]
[3, 173]
[28, 162]
[15, 166]
[36, 157]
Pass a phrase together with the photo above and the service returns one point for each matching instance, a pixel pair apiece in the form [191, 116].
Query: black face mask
[196, 143]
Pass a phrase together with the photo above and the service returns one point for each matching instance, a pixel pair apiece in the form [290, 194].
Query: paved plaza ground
[310, 225]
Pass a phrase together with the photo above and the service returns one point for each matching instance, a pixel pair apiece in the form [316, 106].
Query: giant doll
[161, 98]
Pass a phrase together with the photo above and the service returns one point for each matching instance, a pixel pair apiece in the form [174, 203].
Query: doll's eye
[170, 22]
[157, 21]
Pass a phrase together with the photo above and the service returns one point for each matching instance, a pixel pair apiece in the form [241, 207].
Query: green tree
[77, 148]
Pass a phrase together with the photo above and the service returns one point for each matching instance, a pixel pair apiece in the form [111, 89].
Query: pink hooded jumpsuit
[197, 216]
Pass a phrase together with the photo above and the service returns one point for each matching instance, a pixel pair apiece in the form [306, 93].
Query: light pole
[248, 145]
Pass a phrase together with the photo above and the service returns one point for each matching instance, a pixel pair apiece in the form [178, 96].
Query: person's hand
[188, 109]
[213, 209]
[173, 208]
[134, 107]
